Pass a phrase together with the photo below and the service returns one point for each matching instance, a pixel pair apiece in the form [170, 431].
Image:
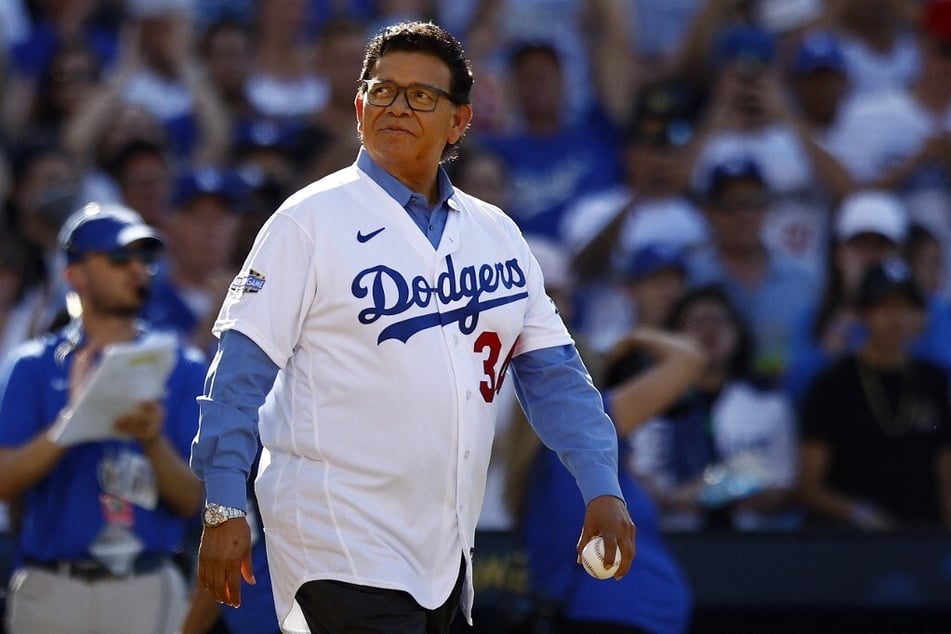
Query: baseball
[592, 558]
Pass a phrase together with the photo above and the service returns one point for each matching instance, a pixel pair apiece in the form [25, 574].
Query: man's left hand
[607, 516]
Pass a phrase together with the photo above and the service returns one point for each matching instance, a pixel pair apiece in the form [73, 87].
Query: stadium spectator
[194, 277]
[901, 140]
[70, 78]
[876, 429]
[282, 82]
[339, 54]
[650, 206]
[142, 172]
[655, 595]
[818, 82]
[45, 192]
[871, 226]
[227, 50]
[55, 24]
[762, 283]
[725, 455]
[102, 520]
[591, 40]
[551, 162]
[748, 116]
[879, 47]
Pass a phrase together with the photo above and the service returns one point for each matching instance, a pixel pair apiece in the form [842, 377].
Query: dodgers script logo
[392, 294]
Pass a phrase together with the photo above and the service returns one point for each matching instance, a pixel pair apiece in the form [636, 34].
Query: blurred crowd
[769, 178]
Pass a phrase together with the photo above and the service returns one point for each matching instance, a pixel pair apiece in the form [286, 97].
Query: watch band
[216, 514]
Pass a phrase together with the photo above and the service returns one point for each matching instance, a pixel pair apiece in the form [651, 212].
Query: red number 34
[489, 341]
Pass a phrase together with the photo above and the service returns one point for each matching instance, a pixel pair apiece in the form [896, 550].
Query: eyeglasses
[122, 257]
[419, 97]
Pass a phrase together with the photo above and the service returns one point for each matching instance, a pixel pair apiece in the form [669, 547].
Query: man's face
[399, 138]
[894, 321]
[145, 184]
[656, 294]
[115, 284]
[855, 255]
[738, 213]
[539, 85]
[201, 234]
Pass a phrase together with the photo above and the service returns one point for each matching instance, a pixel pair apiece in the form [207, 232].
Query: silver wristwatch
[216, 514]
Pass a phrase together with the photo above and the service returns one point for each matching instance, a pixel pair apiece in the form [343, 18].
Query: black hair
[521, 50]
[222, 25]
[134, 149]
[430, 39]
[740, 365]
[44, 110]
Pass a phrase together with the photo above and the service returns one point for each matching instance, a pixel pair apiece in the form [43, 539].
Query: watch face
[213, 516]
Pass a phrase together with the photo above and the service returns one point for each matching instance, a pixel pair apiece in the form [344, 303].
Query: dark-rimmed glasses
[419, 97]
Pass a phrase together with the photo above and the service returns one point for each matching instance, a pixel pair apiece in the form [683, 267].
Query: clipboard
[127, 374]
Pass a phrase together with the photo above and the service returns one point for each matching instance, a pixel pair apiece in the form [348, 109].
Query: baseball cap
[936, 21]
[872, 212]
[819, 50]
[104, 227]
[653, 257]
[208, 181]
[662, 116]
[729, 170]
[748, 43]
[881, 280]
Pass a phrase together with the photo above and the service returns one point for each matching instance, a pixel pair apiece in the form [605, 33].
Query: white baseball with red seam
[592, 558]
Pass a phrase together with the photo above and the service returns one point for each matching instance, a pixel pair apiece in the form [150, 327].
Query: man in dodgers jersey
[366, 339]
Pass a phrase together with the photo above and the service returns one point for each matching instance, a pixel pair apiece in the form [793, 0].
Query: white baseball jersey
[378, 429]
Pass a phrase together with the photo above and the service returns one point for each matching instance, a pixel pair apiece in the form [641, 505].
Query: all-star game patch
[252, 282]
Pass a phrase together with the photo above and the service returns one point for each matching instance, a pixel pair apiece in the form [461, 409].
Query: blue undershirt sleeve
[239, 379]
[567, 413]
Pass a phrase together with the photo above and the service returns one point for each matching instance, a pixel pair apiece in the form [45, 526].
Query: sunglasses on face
[122, 257]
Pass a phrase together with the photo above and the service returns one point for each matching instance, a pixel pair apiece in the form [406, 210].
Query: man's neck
[748, 265]
[105, 329]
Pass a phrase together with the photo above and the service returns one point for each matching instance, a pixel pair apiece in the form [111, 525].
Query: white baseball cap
[872, 212]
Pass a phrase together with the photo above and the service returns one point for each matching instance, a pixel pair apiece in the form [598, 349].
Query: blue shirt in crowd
[62, 514]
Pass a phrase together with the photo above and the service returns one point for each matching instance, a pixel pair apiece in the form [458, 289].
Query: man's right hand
[224, 558]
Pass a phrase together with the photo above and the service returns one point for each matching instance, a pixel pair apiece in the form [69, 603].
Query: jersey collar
[397, 190]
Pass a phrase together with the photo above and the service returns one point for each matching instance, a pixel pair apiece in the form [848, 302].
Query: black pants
[335, 607]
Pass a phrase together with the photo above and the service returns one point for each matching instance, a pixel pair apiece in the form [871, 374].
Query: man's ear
[358, 107]
[73, 276]
[460, 122]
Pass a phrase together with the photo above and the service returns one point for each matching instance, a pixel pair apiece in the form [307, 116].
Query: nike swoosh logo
[363, 237]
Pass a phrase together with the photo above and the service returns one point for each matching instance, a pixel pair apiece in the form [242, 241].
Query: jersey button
[466, 455]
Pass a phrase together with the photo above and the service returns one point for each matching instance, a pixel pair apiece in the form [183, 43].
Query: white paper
[127, 374]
